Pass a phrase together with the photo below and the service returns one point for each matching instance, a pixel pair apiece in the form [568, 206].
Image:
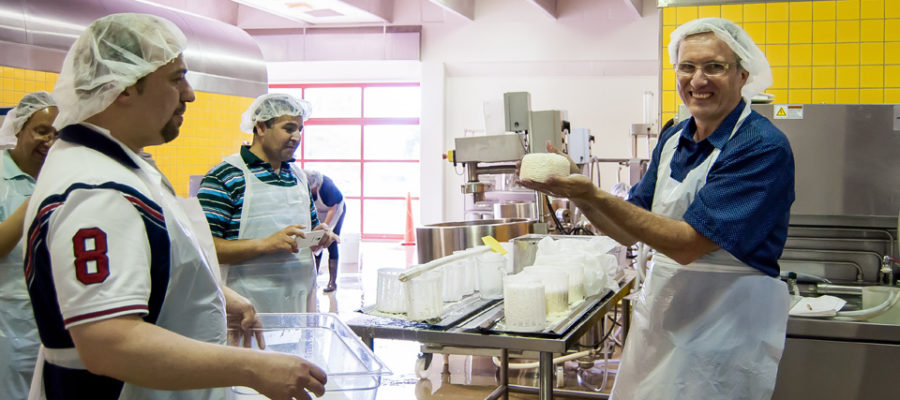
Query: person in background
[330, 207]
[29, 129]
[126, 304]
[710, 320]
[258, 202]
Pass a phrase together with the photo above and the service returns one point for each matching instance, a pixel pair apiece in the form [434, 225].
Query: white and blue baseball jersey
[106, 238]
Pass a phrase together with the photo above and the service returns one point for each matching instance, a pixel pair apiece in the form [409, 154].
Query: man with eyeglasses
[28, 130]
[710, 320]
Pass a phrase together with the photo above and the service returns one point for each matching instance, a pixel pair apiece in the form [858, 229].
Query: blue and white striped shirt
[221, 192]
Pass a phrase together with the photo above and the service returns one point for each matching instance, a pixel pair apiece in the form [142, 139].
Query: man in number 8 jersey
[126, 304]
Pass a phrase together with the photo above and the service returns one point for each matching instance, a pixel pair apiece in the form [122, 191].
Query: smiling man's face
[709, 98]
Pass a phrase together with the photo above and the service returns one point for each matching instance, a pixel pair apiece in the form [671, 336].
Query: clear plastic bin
[326, 341]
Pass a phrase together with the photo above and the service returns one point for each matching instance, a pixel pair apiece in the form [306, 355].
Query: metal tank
[438, 240]
[222, 58]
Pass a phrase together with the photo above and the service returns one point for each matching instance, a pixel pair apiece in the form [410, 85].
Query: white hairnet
[17, 117]
[314, 177]
[752, 58]
[274, 105]
[113, 53]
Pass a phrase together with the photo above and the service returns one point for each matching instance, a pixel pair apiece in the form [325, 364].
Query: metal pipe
[504, 372]
[576, 394]
[611, 160]
[539, 206]
[824, 288]
[471, 171]
[495, 169]
[859, 270]
[498, 391]
[545, 376]
[887, 267]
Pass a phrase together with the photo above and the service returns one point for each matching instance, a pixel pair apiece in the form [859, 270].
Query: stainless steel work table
[370, 327]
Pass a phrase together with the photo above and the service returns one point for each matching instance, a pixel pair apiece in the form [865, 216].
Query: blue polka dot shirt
[745, 205]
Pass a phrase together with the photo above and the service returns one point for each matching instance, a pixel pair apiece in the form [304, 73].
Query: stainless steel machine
[843, 225]
[489, 161]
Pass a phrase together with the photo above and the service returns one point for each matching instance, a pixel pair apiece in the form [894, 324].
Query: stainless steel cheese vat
[438, 240]
[515, 209]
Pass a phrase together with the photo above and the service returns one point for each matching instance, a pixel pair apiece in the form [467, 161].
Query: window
[365, 137]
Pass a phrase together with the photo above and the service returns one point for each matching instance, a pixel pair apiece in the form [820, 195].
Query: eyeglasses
[710, 69]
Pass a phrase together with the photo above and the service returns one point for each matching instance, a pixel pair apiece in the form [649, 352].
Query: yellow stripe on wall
[210, 131]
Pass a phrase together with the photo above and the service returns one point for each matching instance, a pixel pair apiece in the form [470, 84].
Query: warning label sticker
[788, 111]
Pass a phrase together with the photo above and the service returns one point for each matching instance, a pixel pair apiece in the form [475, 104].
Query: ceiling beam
[466, 8]
[637, 6]
[549, 6]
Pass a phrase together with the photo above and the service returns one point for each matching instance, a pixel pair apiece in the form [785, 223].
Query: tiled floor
[461, 377]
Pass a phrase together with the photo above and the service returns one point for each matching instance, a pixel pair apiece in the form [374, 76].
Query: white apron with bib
[275, 283]
[322, 210]
[193, 294]
[19, 339]
[712, 329]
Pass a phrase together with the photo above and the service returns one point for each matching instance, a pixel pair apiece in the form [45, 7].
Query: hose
[535, 364]
[569, 357]
[559, 227]
[583, 382]
[868, 313]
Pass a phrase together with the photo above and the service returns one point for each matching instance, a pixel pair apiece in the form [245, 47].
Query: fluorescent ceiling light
[314, 11]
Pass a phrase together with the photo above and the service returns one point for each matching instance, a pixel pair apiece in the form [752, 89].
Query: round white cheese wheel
[540, 166]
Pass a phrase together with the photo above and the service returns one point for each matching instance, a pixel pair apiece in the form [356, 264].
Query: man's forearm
[131, 350]
[600, 221]
[238, 250]
[334, 213]
[628, 223]
[11, 229]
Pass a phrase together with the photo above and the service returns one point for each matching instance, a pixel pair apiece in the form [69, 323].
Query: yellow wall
[833, 52]
[210, 129]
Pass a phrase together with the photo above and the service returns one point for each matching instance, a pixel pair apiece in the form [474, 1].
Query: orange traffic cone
[409, 238]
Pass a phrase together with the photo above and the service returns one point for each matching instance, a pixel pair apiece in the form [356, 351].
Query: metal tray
[491, 320]
[326, 341]
[452, 314]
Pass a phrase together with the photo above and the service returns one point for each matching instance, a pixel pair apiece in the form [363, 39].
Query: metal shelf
[370, 327]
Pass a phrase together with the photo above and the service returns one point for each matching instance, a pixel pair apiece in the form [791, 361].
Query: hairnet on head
[113, 53]
[752, 58]
[314, 177]
[17, 117]
[274, 105]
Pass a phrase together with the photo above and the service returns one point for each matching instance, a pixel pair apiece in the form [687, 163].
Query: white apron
[712, 329]
[275, 283]
[322, 210]
[19, 339]
[193, 290]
